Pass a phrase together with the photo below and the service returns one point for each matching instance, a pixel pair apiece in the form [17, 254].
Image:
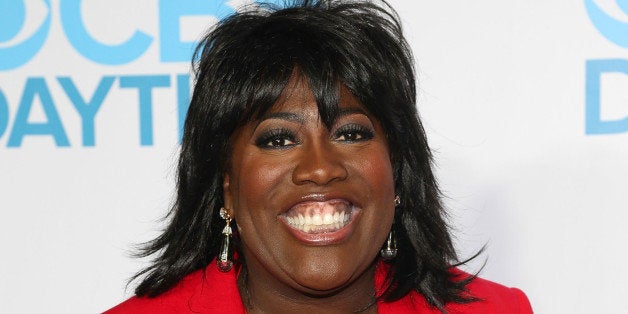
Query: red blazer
[217, 292]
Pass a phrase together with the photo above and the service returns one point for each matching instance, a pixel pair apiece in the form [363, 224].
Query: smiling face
[313, 205]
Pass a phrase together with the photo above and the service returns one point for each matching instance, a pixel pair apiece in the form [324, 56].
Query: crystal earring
[225, 261]
[390, 251]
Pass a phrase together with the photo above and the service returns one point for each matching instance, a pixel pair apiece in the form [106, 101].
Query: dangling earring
[390, 251]
[225, 261]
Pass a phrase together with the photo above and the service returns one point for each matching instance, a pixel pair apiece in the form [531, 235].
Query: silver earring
[390, 251]
[225, 261]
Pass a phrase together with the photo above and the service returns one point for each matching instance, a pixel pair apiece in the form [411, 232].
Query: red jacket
[218, 293]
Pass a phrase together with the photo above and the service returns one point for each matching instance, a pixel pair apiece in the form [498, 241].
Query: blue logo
[615, 31]
[25, 24]
[24, 27]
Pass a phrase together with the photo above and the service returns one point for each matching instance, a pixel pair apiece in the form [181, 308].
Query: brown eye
[350, 136]
[353, 133]
[279, 142]
[276, 139]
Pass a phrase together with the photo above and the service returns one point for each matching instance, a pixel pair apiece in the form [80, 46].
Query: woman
[305, 181]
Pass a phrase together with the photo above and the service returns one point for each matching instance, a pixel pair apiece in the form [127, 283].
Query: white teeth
[328, 219]
[317, 220]
[319, 223]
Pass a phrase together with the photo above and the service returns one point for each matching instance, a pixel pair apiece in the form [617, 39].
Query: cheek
[375, 177]
[376, 170]
[256, 183]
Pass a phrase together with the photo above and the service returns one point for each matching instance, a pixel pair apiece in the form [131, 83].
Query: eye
[276, 139]
[353, 133]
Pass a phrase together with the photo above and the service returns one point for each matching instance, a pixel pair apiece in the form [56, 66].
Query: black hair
[242, 67]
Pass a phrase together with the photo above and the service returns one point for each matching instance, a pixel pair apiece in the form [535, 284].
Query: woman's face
[313, 206]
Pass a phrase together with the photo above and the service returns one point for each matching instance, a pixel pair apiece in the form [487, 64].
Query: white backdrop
[532, 156]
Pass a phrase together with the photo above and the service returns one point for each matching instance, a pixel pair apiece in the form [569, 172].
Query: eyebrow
[290, 116]
[295, 117]
[347, 111]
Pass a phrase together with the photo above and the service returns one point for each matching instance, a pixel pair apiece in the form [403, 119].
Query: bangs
[284, 50]
[253, 56]
[248, 60]
[275, 90]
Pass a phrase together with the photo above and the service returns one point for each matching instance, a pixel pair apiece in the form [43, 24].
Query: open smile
[321, 222]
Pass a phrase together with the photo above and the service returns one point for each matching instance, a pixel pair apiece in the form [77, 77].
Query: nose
[320, 164]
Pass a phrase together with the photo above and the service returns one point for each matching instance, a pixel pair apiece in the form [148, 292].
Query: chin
[326, 277]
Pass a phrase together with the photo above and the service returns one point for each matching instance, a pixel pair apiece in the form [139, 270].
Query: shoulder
[493, 298]
[202, 291]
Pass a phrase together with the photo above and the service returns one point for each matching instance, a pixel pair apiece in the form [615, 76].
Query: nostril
[319, 169]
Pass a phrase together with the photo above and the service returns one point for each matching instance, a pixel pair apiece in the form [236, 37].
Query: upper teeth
[317, 222]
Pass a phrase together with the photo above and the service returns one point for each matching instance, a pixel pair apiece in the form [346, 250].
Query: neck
[262, 294]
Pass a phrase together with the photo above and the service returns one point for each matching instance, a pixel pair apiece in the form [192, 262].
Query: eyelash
[268, 139]
[276, 138]
[365, 133]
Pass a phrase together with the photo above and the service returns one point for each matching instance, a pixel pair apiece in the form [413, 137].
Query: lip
[326, 237]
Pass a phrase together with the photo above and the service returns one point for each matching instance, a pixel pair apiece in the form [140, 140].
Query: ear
[227, 194]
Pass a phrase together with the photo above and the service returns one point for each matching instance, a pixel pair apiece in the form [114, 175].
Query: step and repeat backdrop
[525, 104]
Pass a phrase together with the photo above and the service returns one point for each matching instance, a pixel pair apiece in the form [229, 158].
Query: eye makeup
[276, 138]
[353, 132]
